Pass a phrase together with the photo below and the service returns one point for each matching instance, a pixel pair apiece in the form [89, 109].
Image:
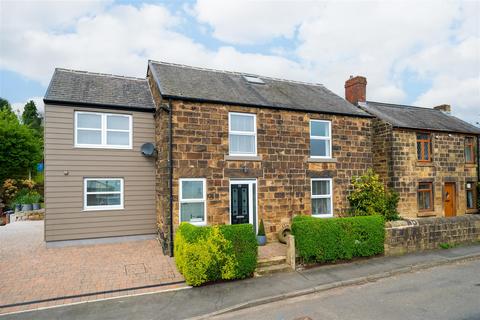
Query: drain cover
[133, 269]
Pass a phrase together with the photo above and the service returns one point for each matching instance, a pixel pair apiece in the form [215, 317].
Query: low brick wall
[428, 233]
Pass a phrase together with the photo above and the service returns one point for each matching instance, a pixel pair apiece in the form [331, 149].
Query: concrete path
[31, 272]
[207, 301]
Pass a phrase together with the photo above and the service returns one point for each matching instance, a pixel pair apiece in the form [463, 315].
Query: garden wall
[428, 233]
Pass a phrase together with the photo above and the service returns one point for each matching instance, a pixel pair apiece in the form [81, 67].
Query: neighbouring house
[97, 183]
[228, 148]
[426, 155]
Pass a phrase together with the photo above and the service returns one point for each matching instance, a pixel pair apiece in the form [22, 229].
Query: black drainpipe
[170, 167]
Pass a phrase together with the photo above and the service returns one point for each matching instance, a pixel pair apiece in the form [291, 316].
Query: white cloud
[434, 41]
[249, 22]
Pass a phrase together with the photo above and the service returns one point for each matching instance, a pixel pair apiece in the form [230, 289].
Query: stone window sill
[329, 160]
[471, 211]
[425, 164]
[243, 158]
[470, 165]
[426, 214]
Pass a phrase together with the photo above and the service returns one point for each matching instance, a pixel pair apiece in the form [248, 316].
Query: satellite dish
[148, 149]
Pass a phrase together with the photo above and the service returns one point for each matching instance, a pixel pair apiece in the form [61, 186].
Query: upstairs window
[320, 139]
[471, 195]
[425, 196]
[469, 150]
[424, 147]
[103, 130]
[193, 205]
[322, 205]
[242, 132]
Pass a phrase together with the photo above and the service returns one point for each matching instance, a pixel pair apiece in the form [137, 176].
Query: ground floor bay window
[322, 199]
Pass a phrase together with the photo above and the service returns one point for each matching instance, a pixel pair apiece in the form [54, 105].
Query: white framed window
[193, 204]
[322, 199]
[103, 194]
[103, 130]
[242, 134]
[320, 139]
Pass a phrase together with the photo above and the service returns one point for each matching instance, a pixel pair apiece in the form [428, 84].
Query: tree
[30, 116]
[20, 147]
[4, 104]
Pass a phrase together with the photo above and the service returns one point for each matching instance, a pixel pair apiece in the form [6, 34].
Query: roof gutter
[97, 105]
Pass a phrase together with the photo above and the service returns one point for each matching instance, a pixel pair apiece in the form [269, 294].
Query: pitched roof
[97, 89]
[184, 82]
[411, 117]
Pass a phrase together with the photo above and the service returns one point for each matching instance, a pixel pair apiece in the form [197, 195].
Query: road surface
[447, 292]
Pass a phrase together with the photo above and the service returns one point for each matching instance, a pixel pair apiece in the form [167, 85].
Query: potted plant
[35, 198]
[261, 238]
[19, 199]
[26, 203]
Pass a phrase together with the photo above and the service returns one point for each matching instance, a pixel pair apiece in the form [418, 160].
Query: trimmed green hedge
[322, 240]
[205, 254]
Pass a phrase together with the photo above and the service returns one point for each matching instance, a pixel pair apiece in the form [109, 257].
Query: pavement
[448, 292]
[221, 298]
[34, 276]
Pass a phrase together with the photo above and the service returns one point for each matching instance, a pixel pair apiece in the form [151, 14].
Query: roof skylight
[253, 79]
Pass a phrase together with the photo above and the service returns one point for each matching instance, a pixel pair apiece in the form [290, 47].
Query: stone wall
[428, 233]
[447, 165]
[382, 150]
[283, 170]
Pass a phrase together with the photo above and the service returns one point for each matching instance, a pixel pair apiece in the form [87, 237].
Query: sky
[422, 53]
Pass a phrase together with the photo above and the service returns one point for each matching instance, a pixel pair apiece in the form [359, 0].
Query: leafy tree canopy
[4, 104]
[30, 116]
[20, 147]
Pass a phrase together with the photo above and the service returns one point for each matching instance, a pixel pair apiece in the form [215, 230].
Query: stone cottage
[426, 155]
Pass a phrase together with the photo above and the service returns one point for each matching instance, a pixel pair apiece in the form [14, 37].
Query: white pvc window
[103, 194]
[193, 204]
[242, 133]
[322, 199]
[320, 139]
[103, 130]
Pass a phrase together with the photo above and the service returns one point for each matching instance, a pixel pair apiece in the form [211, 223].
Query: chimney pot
[356, 89]
[445, 108]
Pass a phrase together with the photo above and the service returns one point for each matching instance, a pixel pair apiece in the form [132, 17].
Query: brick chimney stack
[445, 108]
[356, 89]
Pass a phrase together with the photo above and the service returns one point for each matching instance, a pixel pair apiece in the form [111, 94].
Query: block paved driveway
[30, 272]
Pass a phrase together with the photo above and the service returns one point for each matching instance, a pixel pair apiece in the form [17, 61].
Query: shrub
[322, 240]
[369, 197]
[205, 254]
[9, 191]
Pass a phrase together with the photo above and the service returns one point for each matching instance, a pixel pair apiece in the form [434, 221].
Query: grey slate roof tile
[402, 116]
[179, 81]
[82, 87]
